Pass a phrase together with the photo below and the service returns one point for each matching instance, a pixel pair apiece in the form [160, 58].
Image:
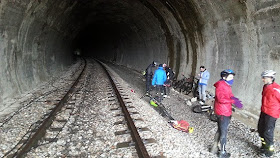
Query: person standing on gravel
[223, 110]
[270, 111]
[203, 77]
[159, 79]
[149, 76]
[169, 79]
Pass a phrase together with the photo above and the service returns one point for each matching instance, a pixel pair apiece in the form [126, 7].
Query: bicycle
[158, 106]
[179, 83]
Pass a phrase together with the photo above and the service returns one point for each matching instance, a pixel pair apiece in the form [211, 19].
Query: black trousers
[266, 126]
[160, 89]
[148, 83]
[223, 122]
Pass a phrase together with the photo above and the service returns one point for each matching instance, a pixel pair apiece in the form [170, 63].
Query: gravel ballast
[90, 129]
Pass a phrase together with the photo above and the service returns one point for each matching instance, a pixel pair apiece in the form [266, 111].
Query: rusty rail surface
[139, 145]
[48, 121]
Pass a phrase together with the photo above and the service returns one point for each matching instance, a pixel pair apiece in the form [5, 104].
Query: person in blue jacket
[159, 79]
[204, 76]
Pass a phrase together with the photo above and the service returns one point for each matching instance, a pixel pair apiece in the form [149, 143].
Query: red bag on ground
[181, 125]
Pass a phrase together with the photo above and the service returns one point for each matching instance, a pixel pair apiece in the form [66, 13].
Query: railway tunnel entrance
[38, 38]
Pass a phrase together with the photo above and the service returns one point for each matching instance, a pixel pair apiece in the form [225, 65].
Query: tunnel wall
[241, 35]
[236, 34]
[33, 48]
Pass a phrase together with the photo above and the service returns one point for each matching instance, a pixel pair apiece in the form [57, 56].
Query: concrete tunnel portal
[38, 38]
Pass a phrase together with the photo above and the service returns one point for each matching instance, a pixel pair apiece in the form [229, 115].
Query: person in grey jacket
[203, 76]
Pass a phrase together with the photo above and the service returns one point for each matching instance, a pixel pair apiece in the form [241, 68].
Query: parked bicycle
[187, 86]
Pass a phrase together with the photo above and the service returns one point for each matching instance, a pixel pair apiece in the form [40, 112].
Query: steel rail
[48, 121]
[139, 145]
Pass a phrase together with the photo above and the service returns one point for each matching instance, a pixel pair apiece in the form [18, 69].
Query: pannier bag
[181, 125]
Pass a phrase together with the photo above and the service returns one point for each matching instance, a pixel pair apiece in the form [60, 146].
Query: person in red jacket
[270, 111]
[223, 110]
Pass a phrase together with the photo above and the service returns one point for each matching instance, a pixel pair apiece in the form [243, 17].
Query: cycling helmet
[268, 73]
[227, 72]
[155, 63]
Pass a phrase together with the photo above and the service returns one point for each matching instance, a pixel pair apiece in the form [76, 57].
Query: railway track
[137, 141]
[47, 129]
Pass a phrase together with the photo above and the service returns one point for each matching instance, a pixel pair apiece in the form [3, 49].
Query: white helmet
[268, 73]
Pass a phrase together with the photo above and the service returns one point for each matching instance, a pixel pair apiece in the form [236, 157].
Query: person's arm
[154, 79]
[223, 97]
[206, 76]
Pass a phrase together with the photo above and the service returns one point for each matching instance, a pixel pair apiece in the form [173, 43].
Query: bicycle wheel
[177, 83]
[195, 92]
[188, 88]
[195, 89]
[197, 109]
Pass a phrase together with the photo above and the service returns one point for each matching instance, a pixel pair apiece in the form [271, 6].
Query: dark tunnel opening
[121, 32]
[98, 38]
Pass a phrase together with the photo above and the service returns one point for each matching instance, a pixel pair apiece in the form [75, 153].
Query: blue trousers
[201, 90]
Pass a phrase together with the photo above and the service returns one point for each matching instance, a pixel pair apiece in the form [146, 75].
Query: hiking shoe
[269, 151]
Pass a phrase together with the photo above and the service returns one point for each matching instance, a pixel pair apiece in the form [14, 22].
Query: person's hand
[237, 103]
[198, 75]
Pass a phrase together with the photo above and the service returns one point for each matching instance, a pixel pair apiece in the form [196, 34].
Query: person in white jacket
[203, 76]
